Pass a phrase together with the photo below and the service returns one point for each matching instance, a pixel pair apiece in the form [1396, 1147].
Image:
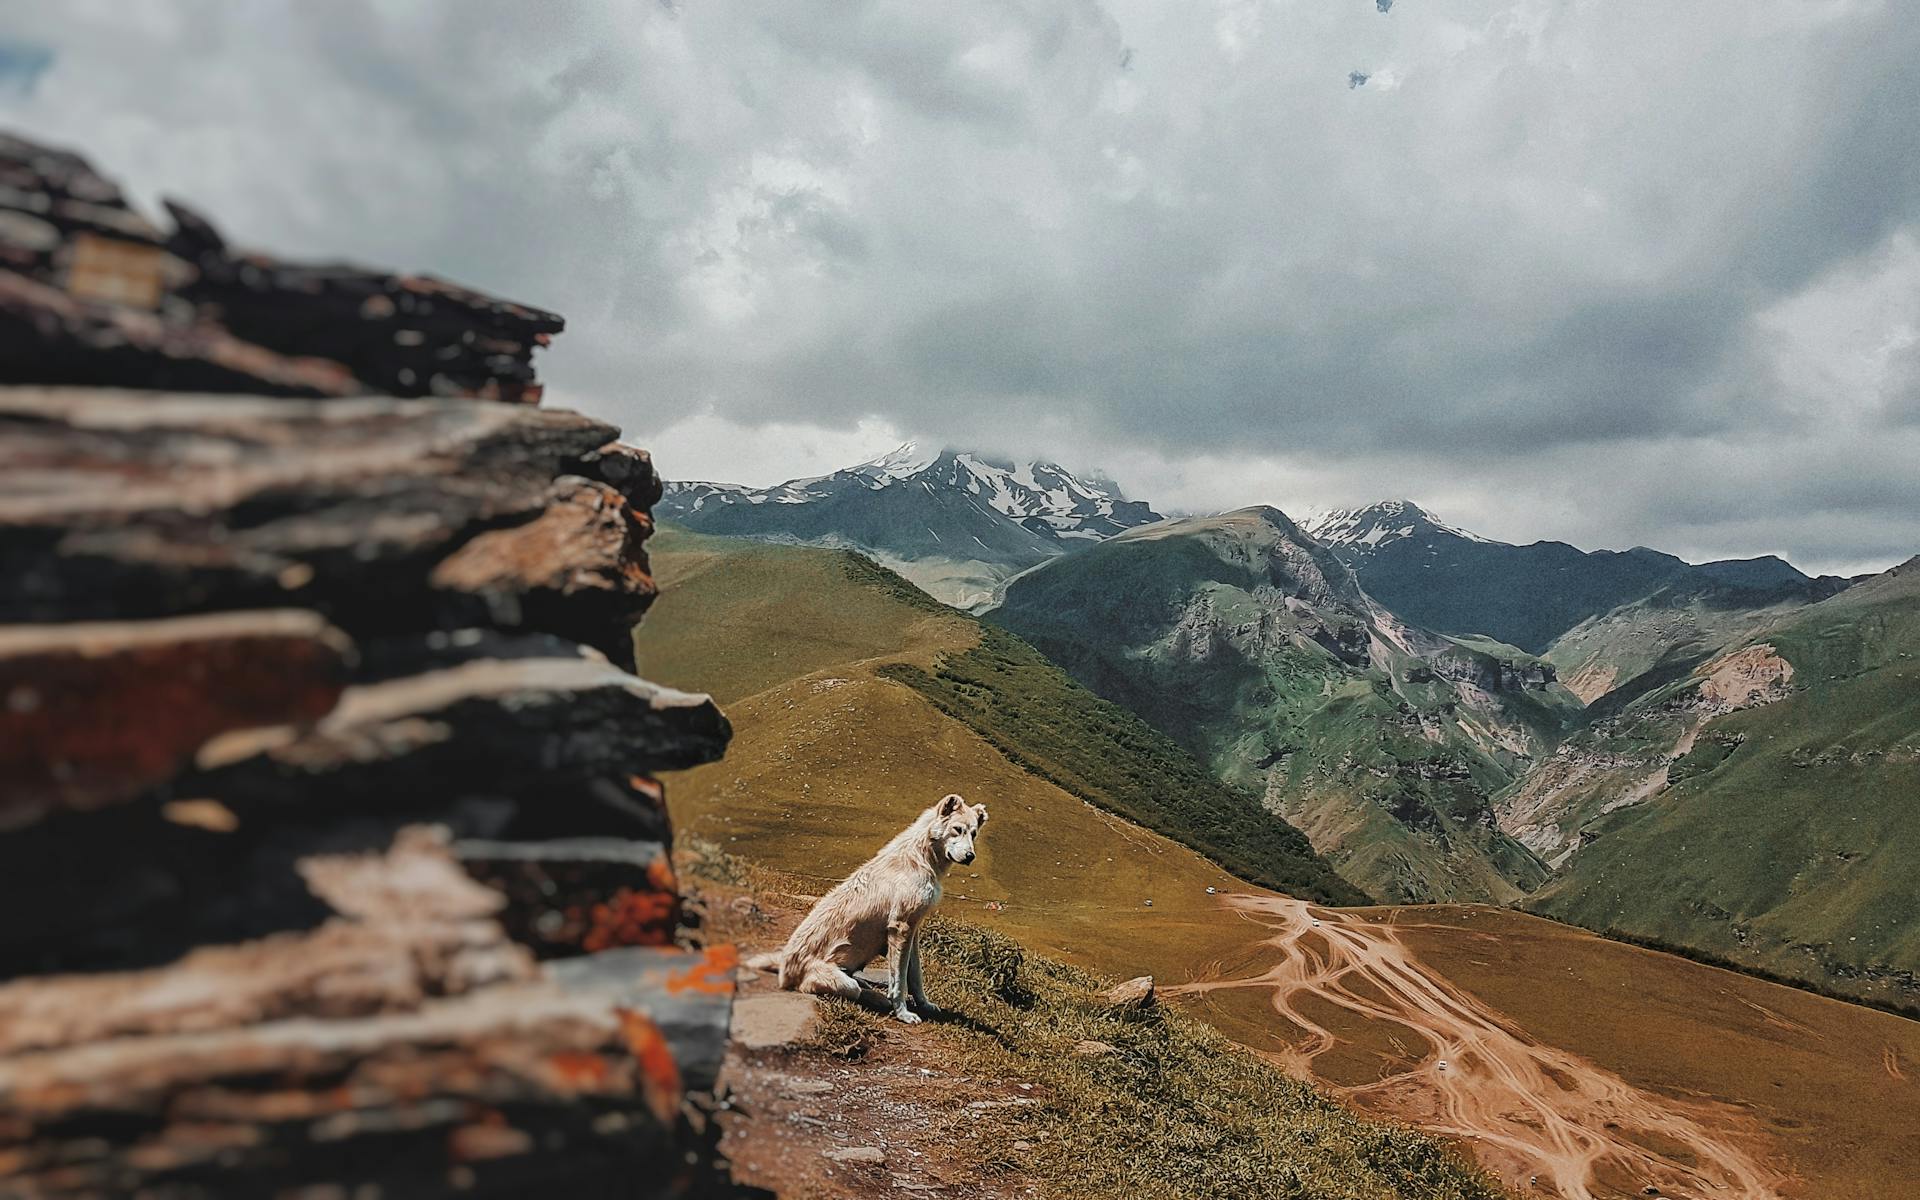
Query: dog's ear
[950, 805]
[982, 818]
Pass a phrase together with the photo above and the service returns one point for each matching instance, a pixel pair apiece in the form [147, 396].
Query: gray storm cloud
[1632, 272]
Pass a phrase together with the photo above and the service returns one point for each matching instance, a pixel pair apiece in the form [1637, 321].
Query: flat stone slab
[768, 1019]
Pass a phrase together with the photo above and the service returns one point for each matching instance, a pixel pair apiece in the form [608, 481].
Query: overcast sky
[1609, 271]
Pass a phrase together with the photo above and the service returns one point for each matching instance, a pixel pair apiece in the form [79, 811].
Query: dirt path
[1549, 1121]
[885, 1117]
[803, 1122]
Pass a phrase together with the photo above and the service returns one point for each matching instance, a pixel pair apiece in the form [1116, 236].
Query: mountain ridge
[1457, 582]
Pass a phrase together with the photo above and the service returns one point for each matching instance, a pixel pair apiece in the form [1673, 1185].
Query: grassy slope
[1182, 623]
[738, 617]
[1005, 690]
[1789, 838]
[830, 757]
[1219, 1122]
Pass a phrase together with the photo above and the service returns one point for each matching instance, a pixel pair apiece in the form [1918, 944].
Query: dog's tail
[780, 963]
[768, 962]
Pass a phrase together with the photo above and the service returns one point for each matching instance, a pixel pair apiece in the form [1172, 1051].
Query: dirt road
[1550, 1122]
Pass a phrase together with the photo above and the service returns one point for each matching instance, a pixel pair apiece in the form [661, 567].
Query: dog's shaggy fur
[880, 907]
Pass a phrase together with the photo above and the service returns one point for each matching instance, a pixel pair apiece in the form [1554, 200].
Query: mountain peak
[1272, 516]
[1365, 529]
[904, 460]
[1040, 494]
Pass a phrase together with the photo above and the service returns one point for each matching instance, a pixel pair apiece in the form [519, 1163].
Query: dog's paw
[929, 1010]
[907, 1015]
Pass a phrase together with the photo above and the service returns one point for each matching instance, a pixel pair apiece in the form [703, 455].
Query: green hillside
[1254, 647]
[1221, 1121]
[1023, 704]
[1788, 834]
[798, 630]
[748, 615]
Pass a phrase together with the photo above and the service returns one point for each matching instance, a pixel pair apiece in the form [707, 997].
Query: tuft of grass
[700, 858]
[1174, 1112]
[844, 1030]
[996, 962]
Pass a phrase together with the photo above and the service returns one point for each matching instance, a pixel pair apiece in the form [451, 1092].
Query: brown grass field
[830, 759]
[1821, 1093]
[1834, 1084]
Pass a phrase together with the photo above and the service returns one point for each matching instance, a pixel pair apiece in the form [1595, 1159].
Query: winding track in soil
[1536, 1112]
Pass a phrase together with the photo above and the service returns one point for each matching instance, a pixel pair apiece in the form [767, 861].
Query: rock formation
[332, 859]
[91, 292]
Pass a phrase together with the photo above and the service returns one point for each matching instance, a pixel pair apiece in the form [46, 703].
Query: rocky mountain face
[332, 855]
[1257, 647]
[1446, 579]
[958, 524]
[1608, 660]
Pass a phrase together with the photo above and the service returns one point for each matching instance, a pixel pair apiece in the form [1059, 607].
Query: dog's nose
[969, 858]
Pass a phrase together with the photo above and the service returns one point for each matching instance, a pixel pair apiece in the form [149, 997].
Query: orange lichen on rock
[713, 972]
[580, 1070]
[659, 1073]
[630, 918]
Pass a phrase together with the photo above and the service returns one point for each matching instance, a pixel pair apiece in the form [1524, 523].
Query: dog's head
[955, 825]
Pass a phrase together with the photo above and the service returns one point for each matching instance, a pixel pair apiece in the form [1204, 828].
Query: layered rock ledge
[332, 856]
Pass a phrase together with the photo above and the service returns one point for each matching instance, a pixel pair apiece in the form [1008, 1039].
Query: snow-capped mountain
[1043, 496]
[955, 522]
[1357, 533]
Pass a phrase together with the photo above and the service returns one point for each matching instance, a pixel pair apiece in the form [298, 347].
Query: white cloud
[1610, 272]
[708, 446]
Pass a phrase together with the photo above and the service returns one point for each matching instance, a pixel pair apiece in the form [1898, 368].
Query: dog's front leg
[899, 940]
[915, 986]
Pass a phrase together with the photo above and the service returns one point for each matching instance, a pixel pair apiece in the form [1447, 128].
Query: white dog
[880, 907]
